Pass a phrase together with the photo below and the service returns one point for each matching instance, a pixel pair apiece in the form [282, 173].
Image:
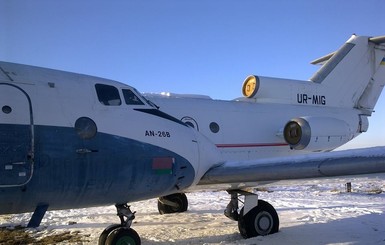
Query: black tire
[260, 221]
[123, 236]
[179, 199]
[106, 232]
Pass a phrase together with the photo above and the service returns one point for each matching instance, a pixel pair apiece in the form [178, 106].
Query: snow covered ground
[312, 214]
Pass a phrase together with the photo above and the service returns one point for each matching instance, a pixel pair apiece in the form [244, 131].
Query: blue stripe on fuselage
[107, 169]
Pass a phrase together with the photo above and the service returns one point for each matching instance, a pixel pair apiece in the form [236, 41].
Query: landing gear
[123, 236]
[260, 221]
[122, 233]
[256, 218]
[174, 203]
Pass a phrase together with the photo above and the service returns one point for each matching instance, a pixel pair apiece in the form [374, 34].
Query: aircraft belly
[106, 169]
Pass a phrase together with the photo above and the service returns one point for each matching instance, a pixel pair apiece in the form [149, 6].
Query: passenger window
[108, 95]
[131, 98]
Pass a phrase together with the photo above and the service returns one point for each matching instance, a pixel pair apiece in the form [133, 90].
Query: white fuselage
[245, 130]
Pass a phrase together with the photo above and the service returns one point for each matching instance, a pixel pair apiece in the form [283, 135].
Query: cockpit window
[131, 98]
[108, 95]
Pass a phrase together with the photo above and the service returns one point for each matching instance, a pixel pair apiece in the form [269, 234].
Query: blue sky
[199, 47]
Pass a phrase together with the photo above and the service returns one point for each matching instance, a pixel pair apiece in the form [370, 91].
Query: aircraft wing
[316, 165]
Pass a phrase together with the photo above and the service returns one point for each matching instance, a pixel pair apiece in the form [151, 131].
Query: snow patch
[315, 214]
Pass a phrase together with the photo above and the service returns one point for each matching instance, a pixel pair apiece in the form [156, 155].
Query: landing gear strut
[121, 233]
[174, 203]
[256, 218]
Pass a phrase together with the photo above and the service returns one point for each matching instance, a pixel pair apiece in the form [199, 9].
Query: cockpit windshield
[109, 95]
[131, 98]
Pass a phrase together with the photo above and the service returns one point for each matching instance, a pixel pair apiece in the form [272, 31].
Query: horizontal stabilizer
[377, 40]
[330, 164]
[357, 69]
[322, 60]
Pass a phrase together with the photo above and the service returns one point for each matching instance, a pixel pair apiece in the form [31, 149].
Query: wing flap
[318, 165]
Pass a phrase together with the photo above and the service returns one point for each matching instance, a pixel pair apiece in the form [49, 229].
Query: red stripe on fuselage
[250, 145]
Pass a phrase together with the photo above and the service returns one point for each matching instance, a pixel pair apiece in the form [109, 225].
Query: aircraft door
[16, 136]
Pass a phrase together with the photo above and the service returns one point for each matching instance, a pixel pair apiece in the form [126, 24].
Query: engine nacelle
[316, 133]
[278, 90]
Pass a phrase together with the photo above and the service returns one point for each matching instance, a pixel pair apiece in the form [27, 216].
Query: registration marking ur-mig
[311, 99]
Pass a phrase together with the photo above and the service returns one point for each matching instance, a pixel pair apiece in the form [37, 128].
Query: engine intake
[316, 133]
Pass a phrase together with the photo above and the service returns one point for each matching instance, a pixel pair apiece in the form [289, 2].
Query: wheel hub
[263, 223]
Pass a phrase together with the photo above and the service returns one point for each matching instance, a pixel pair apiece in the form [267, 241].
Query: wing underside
[318, 165]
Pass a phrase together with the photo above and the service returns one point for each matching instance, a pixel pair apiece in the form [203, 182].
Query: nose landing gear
[121, 233]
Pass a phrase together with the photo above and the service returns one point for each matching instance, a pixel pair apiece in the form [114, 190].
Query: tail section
[354, 76]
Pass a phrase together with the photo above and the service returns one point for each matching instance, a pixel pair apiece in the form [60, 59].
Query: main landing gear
[122, 233]
[256, 218]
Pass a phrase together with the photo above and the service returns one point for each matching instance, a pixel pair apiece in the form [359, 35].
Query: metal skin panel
[16, 166]
[113, 170]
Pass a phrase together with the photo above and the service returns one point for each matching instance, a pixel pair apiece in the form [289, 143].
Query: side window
[108, 95]
[131, 98]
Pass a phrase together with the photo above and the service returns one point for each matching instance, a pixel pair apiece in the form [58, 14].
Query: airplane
[69, 140]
